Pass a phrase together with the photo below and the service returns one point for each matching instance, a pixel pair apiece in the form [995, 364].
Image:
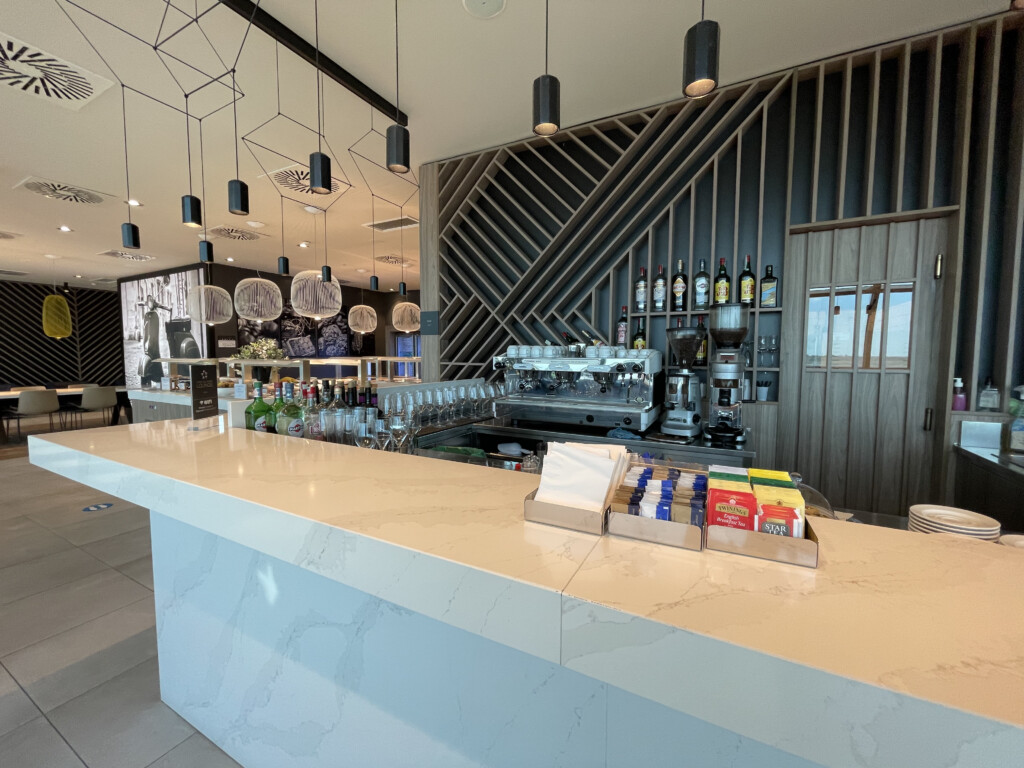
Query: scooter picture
[149, 371]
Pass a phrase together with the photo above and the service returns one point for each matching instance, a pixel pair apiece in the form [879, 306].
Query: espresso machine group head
[682, 396]
[728, 327]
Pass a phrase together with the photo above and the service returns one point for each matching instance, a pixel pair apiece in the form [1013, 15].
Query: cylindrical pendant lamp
[546, 100]
[402, 289]
[312, 297]
[700, 59]
[362, 319]
[320, 173]
[398, 148]
[282, 265]
[374, 283]
[206, 251]
[258, 299]
[209, 304]
[130, 235]
[405, 317]
[238, 197]
[191, 211]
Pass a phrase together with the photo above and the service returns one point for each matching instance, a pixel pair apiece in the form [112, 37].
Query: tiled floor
[78, 668]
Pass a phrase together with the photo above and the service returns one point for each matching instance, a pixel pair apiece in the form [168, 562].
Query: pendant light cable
[188, 144]
[397, 99]
[546, 26]
[373, 233]
[316, 32]
[127, 175]
[234, 108]
[202, 176]
[282, 225]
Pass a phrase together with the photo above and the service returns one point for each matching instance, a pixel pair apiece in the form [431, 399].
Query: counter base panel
[281, 666]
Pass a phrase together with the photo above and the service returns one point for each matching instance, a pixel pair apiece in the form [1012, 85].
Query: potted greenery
[261, 349]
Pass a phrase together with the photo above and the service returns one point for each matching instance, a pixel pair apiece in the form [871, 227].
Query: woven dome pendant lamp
[258, 299]
[312, 297]
[405, 316]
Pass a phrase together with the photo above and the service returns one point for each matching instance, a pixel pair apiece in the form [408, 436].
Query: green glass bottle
[275, 409]
[289, 419]
[256, 411]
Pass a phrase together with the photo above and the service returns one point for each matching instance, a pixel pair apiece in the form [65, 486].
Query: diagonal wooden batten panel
[496, 194]
[535, 179]
[510, 222]
[459, 253]
[464, 187]
[497, 241]
[572, 186]
[517, 188]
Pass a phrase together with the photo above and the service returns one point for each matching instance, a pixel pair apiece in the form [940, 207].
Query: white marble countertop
[913, 627]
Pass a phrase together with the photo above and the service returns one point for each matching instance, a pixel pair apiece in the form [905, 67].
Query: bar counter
[319, 604]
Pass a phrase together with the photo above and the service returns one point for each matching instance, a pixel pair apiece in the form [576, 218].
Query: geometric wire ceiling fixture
[546, 94]
[129, 231]
[700, 57]
[319, 163]
[191, 212]
[398, 134]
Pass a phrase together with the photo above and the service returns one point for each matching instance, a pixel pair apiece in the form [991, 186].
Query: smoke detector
[56, 190]
[32, 71]
[127, 256]
[483, 9]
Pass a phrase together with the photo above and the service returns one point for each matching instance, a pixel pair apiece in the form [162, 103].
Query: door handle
[929, 413]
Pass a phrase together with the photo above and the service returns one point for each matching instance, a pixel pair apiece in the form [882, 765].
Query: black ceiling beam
[307, 52]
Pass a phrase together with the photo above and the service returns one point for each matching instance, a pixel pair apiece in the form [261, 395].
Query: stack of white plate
[1012, 540]
[930, 518]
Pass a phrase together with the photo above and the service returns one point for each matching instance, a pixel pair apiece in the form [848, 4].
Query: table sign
[204, 391]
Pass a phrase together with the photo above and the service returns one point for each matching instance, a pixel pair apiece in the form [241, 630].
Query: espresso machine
[728, 327]
[682, 393]
[587, 386]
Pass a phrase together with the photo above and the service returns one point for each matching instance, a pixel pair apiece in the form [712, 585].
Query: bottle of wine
[702, 353]
[311, 425]
[289, 419]
[275, 409]
[329, 416]
[747, 283]
[679, 288]
[723, 284]
[769, 288]
[640, 291]
[660, 288]
[256, 411]
[622, 329]
[702, 288]
[640, 337]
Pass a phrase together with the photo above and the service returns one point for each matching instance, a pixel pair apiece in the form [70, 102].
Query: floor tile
[24, 540]
[15, 707]
[119, 550]
[122, 723]
[36, 745]
[35, 618]
[91, 529]
[195, 752]
[43, 573]
[141, 570]
[63, 509]
[67, 665]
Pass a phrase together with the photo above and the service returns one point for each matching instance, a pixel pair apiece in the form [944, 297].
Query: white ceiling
[466, 85]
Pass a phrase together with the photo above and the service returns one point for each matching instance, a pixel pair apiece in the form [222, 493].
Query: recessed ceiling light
[360, 270]
[134, 202]
[304, 244]
[256, 224]
[312, 209]
[391, 289]
[79, 277]
[229, 259]
[65, 228]
[50, 256]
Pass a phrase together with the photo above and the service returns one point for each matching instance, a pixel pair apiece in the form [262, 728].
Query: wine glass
[773, 348]
[384, 441]
[398, 425]
[762, 348]
[441, 406]
[366, 436]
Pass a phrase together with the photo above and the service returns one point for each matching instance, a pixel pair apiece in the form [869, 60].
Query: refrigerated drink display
[679, 288]
[660, 289]
[747, 283]
[622, 329]
[256, 411]
[640, 291]
[702, 288]
[723, 285]
[769, 289]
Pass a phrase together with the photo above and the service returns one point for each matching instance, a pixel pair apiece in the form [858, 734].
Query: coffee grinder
[682, 397]
[728, 327]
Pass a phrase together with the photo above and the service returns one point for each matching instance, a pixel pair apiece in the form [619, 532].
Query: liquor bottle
[311, 425]
[622, 328]
[256, 411]
[769, 288]
[373, 395]
[702, 288]
[679, 322]
[679, 288]
[702, 353]
[640, 291]
[276, 408]
[289, 418]
[723, 284]
[747, 283]
[640, 337]
[660, 288]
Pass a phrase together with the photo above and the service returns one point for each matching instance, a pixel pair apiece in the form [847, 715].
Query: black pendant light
[191, 206]
[205, 246]
[282, 260]
[129, 232]
[700, 57]
[319, 163]
[325, 271]
[398, 135]
[546, 94]
[238, 190]
[402, 291]
[374, 282]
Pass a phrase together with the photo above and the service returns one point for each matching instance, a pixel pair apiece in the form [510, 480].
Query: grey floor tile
[141, 570]
[38, 617]
[122, 723]
[15, 707]
[24, 540]
[118, 550]
[43, 573]
[67, 665]
[196, 751]
[36, 745]
[95, 528]
[61, 511]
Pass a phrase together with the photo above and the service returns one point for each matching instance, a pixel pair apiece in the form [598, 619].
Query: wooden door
[860, 352]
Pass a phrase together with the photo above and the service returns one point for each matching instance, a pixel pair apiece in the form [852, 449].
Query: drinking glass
[350, 426]
[366, 436]
[384, 441]
[773, 348]
[398, 426]
[462, 405]
[441, 406]
[762, 349]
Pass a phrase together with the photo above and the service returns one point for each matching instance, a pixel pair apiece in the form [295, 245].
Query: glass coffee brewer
[682, 397]
[728, 327]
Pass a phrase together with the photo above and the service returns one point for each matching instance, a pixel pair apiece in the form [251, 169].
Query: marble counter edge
[501, 608]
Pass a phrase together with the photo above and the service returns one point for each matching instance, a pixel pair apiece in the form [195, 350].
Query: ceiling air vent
[105, 280]
[394, 260]
[389, 224]
[8, 235]
[127, 256]
[12, 273]
[58, 191]
[230, 233]
[297, 180]
[29, 70]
